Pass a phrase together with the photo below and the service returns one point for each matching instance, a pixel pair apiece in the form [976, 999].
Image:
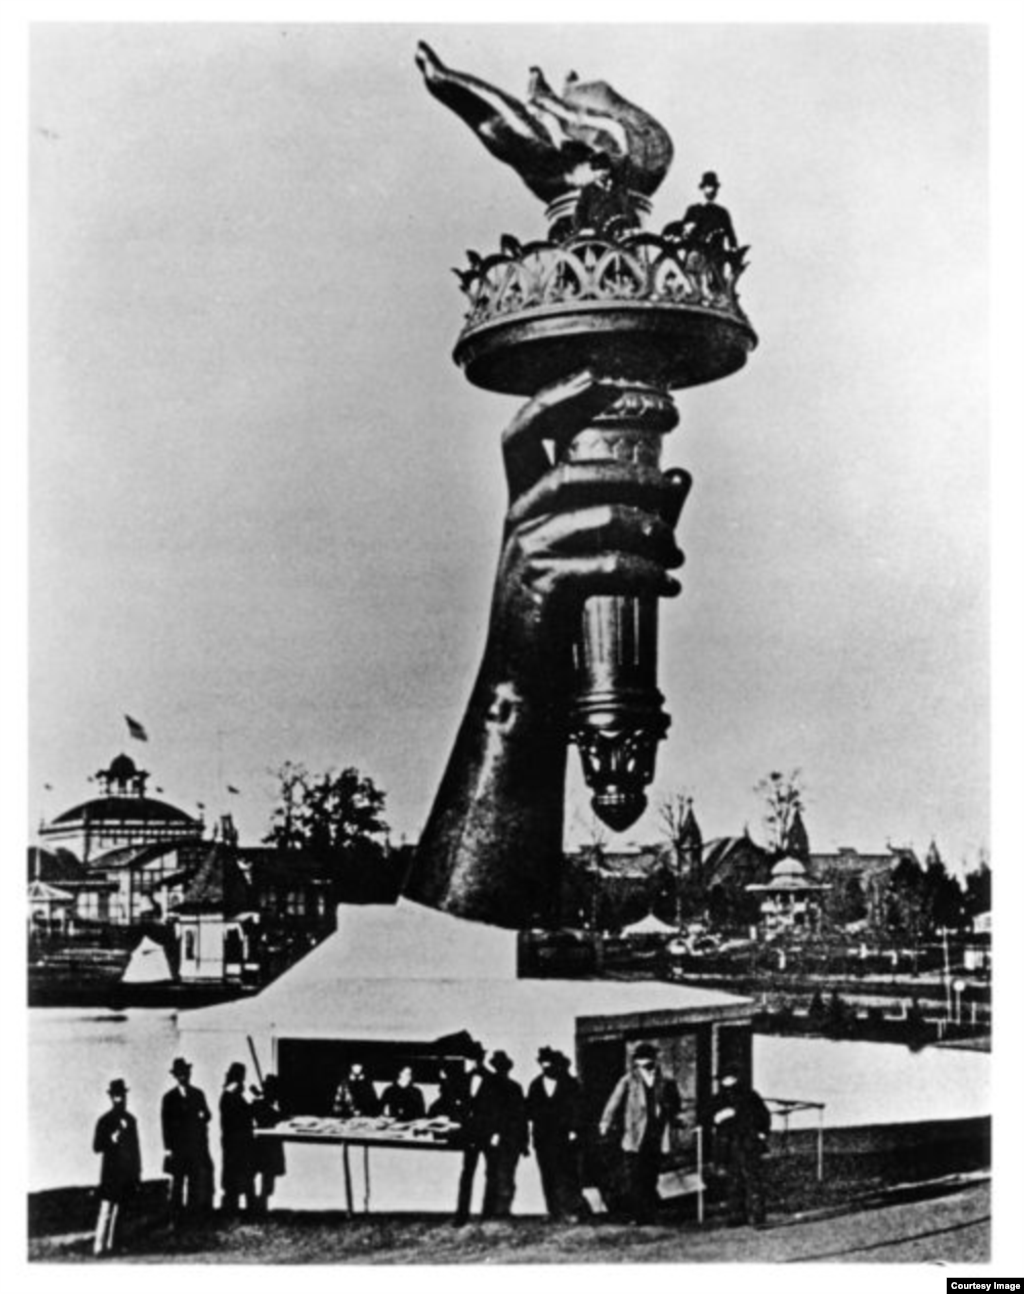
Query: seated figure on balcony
[604, 207]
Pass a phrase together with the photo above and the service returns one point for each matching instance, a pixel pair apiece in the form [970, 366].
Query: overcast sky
[265, 504]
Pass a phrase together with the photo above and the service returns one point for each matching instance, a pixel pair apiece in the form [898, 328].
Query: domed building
[790, 900]
[123, 816]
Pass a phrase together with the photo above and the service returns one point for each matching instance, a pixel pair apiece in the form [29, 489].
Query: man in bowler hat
[184, 1121]
[705, 225]
[117, 1139]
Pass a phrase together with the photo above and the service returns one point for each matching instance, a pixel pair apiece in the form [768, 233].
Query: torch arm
[491, 849]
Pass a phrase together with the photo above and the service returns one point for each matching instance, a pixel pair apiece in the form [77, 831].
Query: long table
[421, 1134]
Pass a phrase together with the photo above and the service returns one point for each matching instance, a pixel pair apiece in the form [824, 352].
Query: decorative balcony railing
[641, 267]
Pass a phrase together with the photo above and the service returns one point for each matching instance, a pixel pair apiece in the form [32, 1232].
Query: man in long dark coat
[117, 1139]
[741, 1123]
[553, 1106]
[502, 1114]
[268, 1158]
[184, 1121]
[467, 1104]
[238, 1151]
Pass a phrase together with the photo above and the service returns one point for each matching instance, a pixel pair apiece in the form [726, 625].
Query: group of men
[498, 1125]
[249, 1166]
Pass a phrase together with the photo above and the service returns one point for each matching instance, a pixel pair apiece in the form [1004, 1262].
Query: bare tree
[783, 796]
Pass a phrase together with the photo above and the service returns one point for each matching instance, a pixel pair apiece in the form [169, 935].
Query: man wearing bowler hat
[706, 225]
[117, 1139]
[184, 1121]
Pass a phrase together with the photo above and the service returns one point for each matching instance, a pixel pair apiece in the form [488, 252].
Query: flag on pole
[233, 790]
[135, 729]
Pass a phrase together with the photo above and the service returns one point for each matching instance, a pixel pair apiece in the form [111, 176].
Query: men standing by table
[117, 1139]
[493, 1126]
[553, 1106]
[184, 1121]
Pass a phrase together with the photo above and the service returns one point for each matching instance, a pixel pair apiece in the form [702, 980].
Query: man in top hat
[184, 1122]
[644, 1104]
[741, 1122]
[117, 1139]
[553, 1106]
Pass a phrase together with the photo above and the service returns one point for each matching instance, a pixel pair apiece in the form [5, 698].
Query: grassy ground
[921, 1224]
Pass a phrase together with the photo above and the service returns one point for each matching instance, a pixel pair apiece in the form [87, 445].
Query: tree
[844, 900]
[334, 816]
[905, 909]
[978, 888]
[783, 796]
[942, 896]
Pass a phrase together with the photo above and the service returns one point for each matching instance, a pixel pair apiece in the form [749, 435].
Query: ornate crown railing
[642, 267]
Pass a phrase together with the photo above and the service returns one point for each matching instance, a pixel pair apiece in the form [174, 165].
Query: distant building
[790, 901]
[872, 872]
[123, 816]
[735, 861]
[247, 912]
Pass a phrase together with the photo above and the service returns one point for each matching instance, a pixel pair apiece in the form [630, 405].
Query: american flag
[135, 729]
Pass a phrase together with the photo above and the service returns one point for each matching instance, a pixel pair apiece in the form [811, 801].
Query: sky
[264, 504]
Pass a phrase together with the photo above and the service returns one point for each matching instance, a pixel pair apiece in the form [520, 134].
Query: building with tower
[121, 817]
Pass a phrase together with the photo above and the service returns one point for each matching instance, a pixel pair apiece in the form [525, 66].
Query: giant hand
[492, 847]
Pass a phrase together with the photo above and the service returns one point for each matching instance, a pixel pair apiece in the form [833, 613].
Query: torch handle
[616, 717]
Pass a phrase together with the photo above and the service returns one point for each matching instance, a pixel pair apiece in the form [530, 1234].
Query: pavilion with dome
[122, 816]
